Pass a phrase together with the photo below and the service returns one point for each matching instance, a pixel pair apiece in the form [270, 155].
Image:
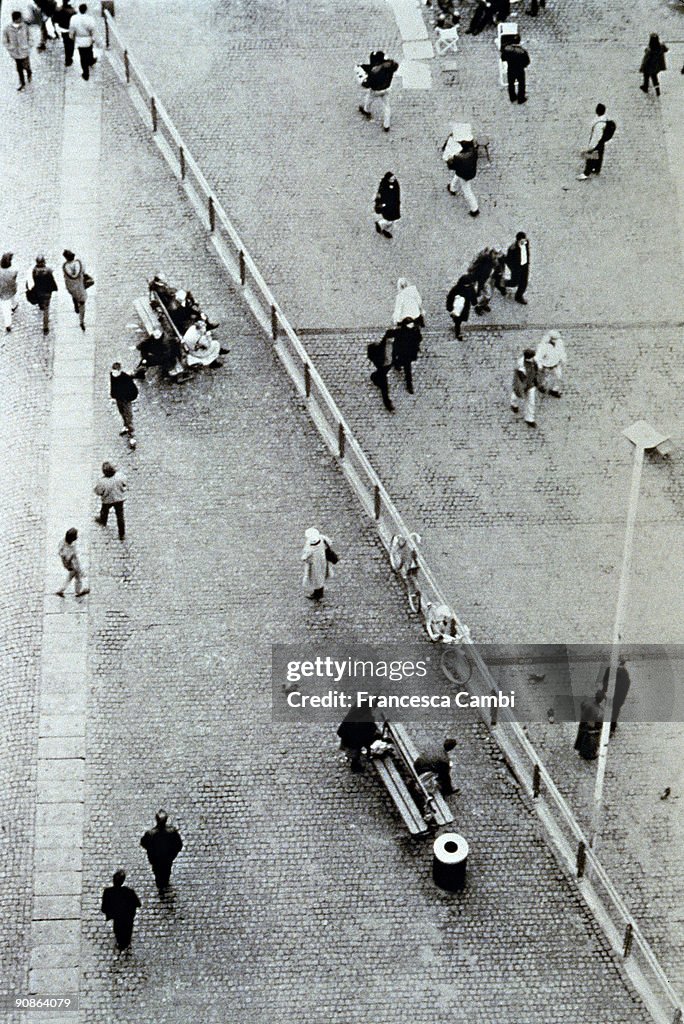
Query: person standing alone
[602, 131]
[120, 904]
[317, 562]
[653, 63]
[111, 489]
[8, 289]
[17, 42]
[74, 281]
[516, 59]
[162, 844]
[518, 262]
[83, 32]
[387, 205]
[69, 557]
[123, 390]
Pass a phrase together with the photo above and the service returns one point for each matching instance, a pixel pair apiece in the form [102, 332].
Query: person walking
[111, 489]
[525, 379]
[435, 759]
[71, 562]
[487, 265]
[62, 22]
[602, 131]
[74, 281]
[44, 11]
[318, 565]
[516, 59]
[518, 262]
[162, 844]
[44, 286]
[120, 904]
[460, 298]
[379, 354]
[589, 727]
[463, 164]
[622, 685]
[124, 391]
[408, 304]
[550, 358]
[653, 63]
[8, 289]
[17, 41]
[407, 339]
[84, 34]
[380, 71]
[387, 205]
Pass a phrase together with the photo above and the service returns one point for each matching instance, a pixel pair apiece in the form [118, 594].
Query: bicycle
[403, 556]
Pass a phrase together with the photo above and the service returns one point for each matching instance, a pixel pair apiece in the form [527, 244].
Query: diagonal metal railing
[562, 830]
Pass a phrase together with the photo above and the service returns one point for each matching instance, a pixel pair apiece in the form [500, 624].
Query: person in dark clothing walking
[407, 338]
[518, 262]
[387, 204]
[589, 729]
[460, 298]
[124, 391]
[62, 21]
[380, 71]
[516, 59]
[357, 731]
[119, 904]
[533, 9]
[162, 844]
[379, 355]
[622, 685]
[44, 285]
[436, 760]
[653, 63]
[111, 489]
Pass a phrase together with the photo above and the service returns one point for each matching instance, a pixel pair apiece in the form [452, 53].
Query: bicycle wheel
[413, 594]
[456, 664]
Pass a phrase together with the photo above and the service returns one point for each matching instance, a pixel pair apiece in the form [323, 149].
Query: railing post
[212, 215]
[377, 505]
[127, 68]
[153, 112]
[341, 440]
[106, 21]
[581, 859]
[627, 948]
[181, 160]
[243, 272]
[274, 323]
[536, 781]
[494, 710]
[307, 380]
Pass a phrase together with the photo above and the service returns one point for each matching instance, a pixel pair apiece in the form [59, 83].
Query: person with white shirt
[84, 33]
[408, 304]
[602, 131]
[518, 262]
[550, 358]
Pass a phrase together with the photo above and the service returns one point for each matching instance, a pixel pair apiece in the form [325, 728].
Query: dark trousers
[534, 7]
[379, 378]
[408, 376]
[516, 78]
[23, 68]
[123, 931]
[457, 320]
[162, 872]
[85, 55]
[118, 507]
[651, 76]
[594, 164]
[521, 283]
[68, 49]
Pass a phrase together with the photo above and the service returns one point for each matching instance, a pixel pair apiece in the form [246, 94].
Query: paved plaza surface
[298, 895]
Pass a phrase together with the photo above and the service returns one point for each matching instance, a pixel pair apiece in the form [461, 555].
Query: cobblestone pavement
[298, 896]
[525, 532]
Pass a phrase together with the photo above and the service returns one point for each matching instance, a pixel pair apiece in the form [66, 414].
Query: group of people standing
[76, 28]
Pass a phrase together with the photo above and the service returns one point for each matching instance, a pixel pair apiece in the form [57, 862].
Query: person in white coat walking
[8, 289]
[551, 358]
[317, 563]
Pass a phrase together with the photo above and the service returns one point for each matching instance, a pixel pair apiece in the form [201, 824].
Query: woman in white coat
[317, 568]
[551, 357]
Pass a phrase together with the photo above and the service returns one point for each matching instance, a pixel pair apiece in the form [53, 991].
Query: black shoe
[385, 129]
[46, 330]
[365, 113]
[211, 326]
[41, 48]
[530, 424]
[522, 99]
[217, 363]
[94, 61]
[521, 300]
[68, 63]
[7, 330]
[21, 88]
[555, 394]
[387, 234]
[644, 88]
[378, 228]
[82, 326]
[474, 213]
[389, 406]
[84, 77]
[224, 351]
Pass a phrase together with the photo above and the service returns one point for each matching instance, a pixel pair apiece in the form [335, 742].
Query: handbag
[31, 296]
[331, 556]
[88, 281]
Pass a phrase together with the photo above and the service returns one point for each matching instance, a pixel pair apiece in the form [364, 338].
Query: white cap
[312, 536]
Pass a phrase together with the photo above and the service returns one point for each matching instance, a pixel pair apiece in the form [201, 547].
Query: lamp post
[645, 438]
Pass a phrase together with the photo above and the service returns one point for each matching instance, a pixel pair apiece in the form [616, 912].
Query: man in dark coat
[380, 71]
[407, 338]
[459, 300]
[119, 904]
[62, 19]
[435, 759]
[589, 729]
[516, 59]
[44, 286]
[518, 262]
[534, 7]
[357, 732]
[379, 355]
[163, 843]
[622, 685]
[123, 389]
[387, 204]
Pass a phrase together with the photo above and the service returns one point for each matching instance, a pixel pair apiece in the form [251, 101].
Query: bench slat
[147, 315]
[395, 786]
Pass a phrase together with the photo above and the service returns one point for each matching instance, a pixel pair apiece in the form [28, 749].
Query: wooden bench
[147, 316]
[402, 799]
[434, 802]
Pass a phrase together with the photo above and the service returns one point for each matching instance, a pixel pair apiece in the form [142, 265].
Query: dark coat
[44, 283]
[358, 729]
[513, 261]
[377, 351]
[654, 60]
[465, 289]
[407, 338]
[464, 164]
[388, 199]
[481, 268]
[622, 685]
[119, 903]
[63, 16]
[379, 76]
[122, 388]
[162, 843]
[516, 57]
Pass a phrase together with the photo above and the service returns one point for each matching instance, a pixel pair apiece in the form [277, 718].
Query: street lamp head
[648, 438]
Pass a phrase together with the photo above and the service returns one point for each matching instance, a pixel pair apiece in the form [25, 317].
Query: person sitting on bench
[161, 349]
[435, 759]
[200, 348]
[357, 731]
[181, 305]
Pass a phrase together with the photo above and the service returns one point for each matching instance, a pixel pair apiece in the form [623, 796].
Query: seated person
[357, 732]
[483, 16]
[161, 349]
[181, 305]
[435, 759]
[199, 347]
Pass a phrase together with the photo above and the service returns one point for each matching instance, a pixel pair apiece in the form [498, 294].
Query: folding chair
[447, 39]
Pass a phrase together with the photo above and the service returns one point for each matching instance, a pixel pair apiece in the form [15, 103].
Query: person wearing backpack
[602, 131]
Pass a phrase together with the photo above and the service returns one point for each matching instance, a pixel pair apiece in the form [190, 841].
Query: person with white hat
[551, 357]
[316, 555]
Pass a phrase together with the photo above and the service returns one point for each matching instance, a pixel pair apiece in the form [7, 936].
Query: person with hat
[120, 904]
[162, 844]
[44, 285]
[380, 71]
[525, 380]
[550, 358]
[317, 564]
[8, 289]
[74, 282]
